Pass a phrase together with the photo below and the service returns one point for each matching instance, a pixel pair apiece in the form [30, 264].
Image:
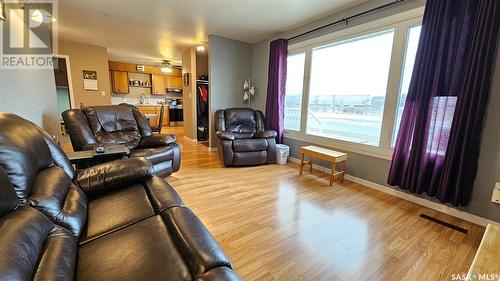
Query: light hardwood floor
[277, 225]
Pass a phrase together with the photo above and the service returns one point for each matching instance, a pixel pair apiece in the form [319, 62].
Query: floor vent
[447, 224]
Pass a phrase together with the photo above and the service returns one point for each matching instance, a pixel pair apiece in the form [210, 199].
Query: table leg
[332, 175]
[342, 169]
[301, 165]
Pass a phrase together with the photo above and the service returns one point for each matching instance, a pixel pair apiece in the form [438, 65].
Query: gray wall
[375, 169]
[32, 95]
[229, 63]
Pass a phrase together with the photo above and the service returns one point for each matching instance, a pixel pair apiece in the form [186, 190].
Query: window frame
[401, 23]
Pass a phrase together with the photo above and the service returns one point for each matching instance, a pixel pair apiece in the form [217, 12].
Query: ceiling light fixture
[200, 48]
[42, 16]
[166, 66]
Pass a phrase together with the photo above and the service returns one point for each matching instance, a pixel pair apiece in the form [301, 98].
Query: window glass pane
[294, 86]
[348, 88]
[411, 52]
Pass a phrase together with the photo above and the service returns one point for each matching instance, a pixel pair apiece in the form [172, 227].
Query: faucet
[143, 98]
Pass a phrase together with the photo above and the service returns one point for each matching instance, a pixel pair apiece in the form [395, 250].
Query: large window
[294, 86]
[348, 89]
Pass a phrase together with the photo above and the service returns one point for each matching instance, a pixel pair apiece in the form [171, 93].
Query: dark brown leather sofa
[116, 124]
[243, 139]
[113, 221]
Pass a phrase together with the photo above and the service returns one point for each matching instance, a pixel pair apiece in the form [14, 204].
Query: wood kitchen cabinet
[119, 82]
[174, 82]
[159, 84]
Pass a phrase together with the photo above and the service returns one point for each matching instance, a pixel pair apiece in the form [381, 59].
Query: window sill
[341, 145]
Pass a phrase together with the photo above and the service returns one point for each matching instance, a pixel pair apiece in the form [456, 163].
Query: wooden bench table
[325, 154]
[487, 259]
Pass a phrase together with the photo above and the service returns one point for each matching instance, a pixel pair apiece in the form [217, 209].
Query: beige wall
[189, 93]
[88, 57]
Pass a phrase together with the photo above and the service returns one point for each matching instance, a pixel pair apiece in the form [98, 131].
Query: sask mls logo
[29, 34]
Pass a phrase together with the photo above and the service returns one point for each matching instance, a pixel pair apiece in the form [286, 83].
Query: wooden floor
[277, 225]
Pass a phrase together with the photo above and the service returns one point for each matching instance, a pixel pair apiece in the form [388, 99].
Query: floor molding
[409, 197]
[190, 139]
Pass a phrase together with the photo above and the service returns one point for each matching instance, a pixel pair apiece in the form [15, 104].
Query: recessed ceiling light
[200, 48]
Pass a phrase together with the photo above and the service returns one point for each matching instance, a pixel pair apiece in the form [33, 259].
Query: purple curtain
[437, 147]
[276, 82]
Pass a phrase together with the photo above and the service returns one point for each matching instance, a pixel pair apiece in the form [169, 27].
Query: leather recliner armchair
[113, 221]
[119, 124]
[243, 139]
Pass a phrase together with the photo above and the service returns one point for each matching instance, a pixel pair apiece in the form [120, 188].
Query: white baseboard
[412, 198]
[212, 149]
[190, 139]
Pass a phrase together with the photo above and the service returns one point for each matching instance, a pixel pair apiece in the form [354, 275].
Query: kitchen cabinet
[174, 82]
[159, 84]
[119, 82]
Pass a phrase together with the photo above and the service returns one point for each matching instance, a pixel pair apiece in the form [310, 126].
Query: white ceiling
[151, 30]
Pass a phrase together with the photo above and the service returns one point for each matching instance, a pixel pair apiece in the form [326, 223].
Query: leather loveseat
[113, 221]
[242, 137]
[116, 124]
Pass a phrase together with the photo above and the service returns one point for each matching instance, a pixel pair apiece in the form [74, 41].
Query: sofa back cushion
[23, 152]
[241, 122]
[8, 198]
[40, 173]
[112, 124]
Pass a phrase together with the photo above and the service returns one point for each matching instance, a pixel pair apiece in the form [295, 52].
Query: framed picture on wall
[90, 80]
[186, 79]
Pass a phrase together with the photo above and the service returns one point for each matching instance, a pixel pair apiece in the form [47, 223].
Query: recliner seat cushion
[116, 209]
[246, 145]
[146, 252]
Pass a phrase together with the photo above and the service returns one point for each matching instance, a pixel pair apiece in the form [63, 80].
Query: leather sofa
[113, 221]
[117, 124]
[243, 139]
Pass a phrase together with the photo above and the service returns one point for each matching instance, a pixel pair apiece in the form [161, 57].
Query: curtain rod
[346, 20]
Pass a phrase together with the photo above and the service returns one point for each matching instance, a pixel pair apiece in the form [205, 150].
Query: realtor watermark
[476, 277]
[29, 35]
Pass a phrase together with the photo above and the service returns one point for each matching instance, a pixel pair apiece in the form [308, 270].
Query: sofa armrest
[157, 140]
[224, 135]
[115, 174]
[265, 134]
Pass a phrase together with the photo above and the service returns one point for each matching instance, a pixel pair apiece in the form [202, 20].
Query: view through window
[294, 86]
[348, 88]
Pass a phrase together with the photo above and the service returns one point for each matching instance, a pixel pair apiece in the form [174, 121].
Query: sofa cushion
[115, 210]
[146, 252]
[244, 145]
[112, 124]
[34, 248]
